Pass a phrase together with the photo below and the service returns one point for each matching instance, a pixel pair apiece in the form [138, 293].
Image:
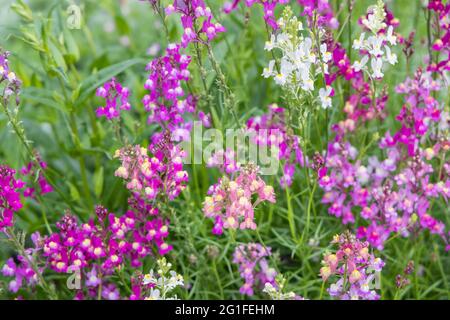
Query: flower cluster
[116, 97]
[321, 11]
[159, 285]
[225, 161]
[20, 269]
[167, 100]
[197, 21]
[269, 9]
[402, 280]
[372, 47]
[270, 130]
[230, 200]
[354, 267]
[9, 196]
[8, 78]
[150, 177]
[100, 247]
[301, 60]
[254, 267]
[277, 292]
[401, 187]
[32, 170]
[441, 42]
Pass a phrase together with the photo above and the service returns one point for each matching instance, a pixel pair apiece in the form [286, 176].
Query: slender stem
[291, 219]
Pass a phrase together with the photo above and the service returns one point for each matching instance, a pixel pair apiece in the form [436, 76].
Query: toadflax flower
[354, 267]
[254, 267]
[230, 201]
[376, 47]
[197, 21]
[150, 177]
[8, 79]
[268, 7]
[302, 60]
[116, 97]
[167, 101]
[276, 292]
[159, 285]
[10, 201]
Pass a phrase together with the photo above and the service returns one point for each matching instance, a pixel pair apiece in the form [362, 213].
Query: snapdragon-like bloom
[33, 169]
[376, 49]
[167, 101]
[254, 267]
[354, 267]
[276, 292]
[197, 21]
[20, 270]
[8, 78]
[321, 11]
[9, 196]
[100, 246]
[116, 97]
[230, 204]
[225, 161]
[268, 6]
[441, 41]
[159, 285]
[301, 61]
[150, 177]
[392, 193]
[270, 130]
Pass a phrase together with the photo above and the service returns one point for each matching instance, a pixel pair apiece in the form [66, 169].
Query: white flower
[376, 68]
[280, 79]
[375, 19]
[269, 70]
[324, 95]
[326, 55]
[358, 43]
[359, 65]
[391, 57]
[375, 44]
[155, 294]
[270, 44]
[390, 36]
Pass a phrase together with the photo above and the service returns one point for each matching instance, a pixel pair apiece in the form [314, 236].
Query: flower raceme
[167, 101]
[197, 21]
[150, 177]
[116, 97]
[9, 196]
[277, 292]
[100, 247]
[8, 78]
[230, 204]
[353, 266]
[159, 285]
[376, 48]
[20, 270]
[254, 267]
[301, 61]
[268, 6]
[401, 184]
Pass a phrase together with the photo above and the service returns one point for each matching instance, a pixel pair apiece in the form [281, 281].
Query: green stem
[291, 219]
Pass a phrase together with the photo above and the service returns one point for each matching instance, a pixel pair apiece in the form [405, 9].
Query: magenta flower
[116, 97]
[253, 267]
[230, 202]
[354, 267]
[10, 201]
